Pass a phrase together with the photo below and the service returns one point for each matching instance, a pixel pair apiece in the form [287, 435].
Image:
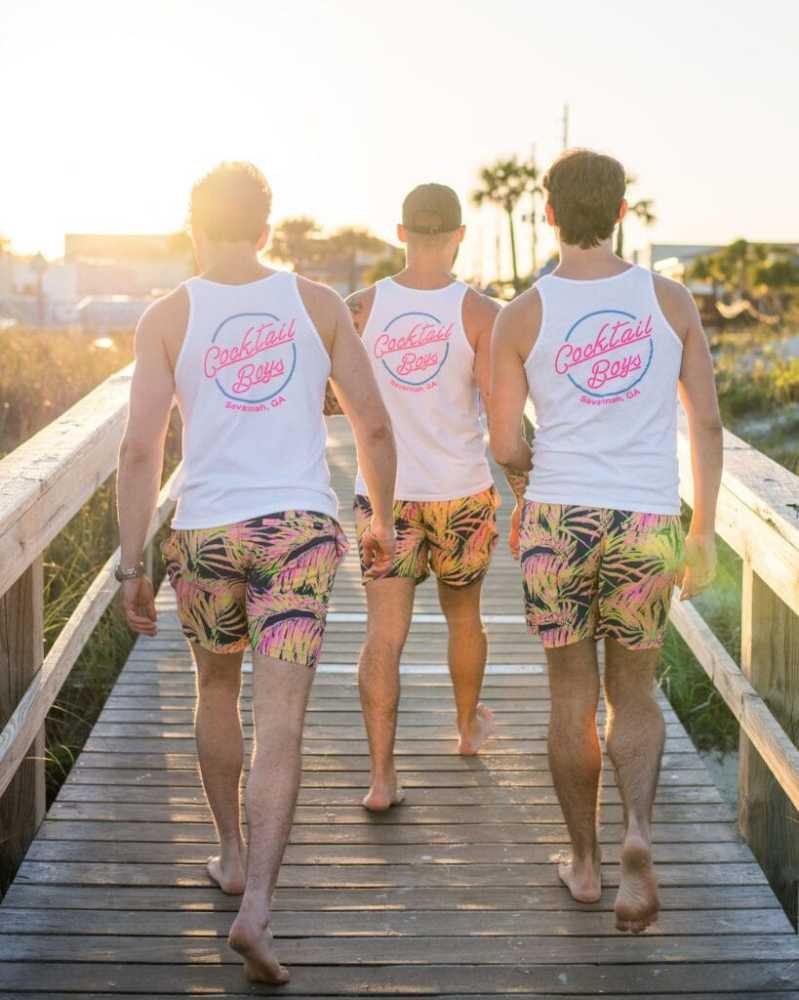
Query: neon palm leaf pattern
[265, 582]
[591, 572]
[454, 537]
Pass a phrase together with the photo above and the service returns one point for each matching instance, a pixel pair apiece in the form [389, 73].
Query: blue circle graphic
[614, 392]
[428, 378]
[283, 384]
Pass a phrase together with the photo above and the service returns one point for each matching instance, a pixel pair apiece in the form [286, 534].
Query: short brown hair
[585, 191]
[231, 203]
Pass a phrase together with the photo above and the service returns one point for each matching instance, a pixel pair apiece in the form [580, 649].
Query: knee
[385, 647]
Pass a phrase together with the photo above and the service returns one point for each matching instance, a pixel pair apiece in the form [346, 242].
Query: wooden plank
[383, 847]
[116, 791]
[781, 995]
[447, 872]
[411, 813]
[768, 783]
[485, 763]
[411, 899]
[380, 923]
[622, 950]
[21, 641]
[122, 746]
[521, 978]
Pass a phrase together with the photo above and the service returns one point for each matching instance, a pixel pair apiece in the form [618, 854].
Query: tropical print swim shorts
[265, 581]
[453, 537]
[591, 572]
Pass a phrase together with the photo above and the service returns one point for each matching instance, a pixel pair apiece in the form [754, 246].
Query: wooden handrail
[46, 481]
[30, 713]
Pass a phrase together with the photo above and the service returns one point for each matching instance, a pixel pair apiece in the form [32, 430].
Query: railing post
[21, 653]
[770, 659]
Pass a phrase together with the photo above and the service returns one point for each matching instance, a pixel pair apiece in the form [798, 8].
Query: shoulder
[360, 305]
[323, 304]
[317, 296]
[519, 322]
[479, 310]
[676, 303]
[164, 318]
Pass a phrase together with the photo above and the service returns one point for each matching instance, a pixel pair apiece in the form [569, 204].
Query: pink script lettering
[256, 340]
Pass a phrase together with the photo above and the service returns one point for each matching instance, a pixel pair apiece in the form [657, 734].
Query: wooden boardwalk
[453, 894]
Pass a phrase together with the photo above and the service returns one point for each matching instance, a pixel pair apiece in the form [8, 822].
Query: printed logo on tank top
[605, 355]
[251, 359]
[413, 349]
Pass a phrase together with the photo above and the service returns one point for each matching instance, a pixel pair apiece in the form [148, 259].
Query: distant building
[346, 274]
[103, 281]
[132, 264]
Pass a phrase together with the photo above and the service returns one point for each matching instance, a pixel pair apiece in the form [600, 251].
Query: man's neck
[233, 264]
[585, 265]
[425, 273]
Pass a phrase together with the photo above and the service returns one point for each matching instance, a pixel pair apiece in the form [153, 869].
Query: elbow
[136, 452]
[380, 434]
[502, 451]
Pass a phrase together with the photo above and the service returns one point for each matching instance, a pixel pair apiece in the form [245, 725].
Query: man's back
[424, 362]
[603, 375]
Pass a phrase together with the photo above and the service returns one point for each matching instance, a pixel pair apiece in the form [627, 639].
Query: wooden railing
[758, 517]
[43, 484]
[47, 480]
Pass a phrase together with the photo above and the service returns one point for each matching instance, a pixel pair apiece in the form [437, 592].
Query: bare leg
[634, 740]
[220, 747]
[280, 696]
[390, 606]
[466, 654]
[575, 760]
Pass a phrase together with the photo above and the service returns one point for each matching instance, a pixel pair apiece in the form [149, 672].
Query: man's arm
[698, 395]
[360, 305]
[480, 320]
[355, 387]
[141, 455]
[514, 334]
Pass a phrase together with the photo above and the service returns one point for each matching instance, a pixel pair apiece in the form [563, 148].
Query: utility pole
[565, 126]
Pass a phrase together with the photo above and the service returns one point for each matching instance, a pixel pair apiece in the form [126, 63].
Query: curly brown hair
[585, 191]
[231, 203]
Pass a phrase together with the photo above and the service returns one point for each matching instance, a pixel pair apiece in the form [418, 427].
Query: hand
[138, 603]
[513, 535]
[378, 545]
[700, 564]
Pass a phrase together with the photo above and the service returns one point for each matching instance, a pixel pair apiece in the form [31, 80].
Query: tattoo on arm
[517, 480]
[332, 407]
[356, 308]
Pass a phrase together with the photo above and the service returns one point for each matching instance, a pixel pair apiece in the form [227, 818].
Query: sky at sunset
[111, 110]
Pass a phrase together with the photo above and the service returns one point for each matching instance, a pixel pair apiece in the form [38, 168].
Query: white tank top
[424, 367]
[602, 377]
[250, 382]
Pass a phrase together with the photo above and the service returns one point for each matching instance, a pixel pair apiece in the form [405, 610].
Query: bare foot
[637, 902]
[253, 940]
[481, 729]
[383, 794]
[228, 871]
[584, 880]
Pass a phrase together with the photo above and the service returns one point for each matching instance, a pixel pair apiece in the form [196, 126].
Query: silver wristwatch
[128, 574]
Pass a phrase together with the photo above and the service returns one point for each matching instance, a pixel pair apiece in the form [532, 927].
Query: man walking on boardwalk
[247, 352]
[427, 337]
[602, 348]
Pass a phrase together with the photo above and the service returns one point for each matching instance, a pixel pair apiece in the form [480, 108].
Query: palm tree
[505, 183]
[642, 210]
[296, 241]
[347, 244]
